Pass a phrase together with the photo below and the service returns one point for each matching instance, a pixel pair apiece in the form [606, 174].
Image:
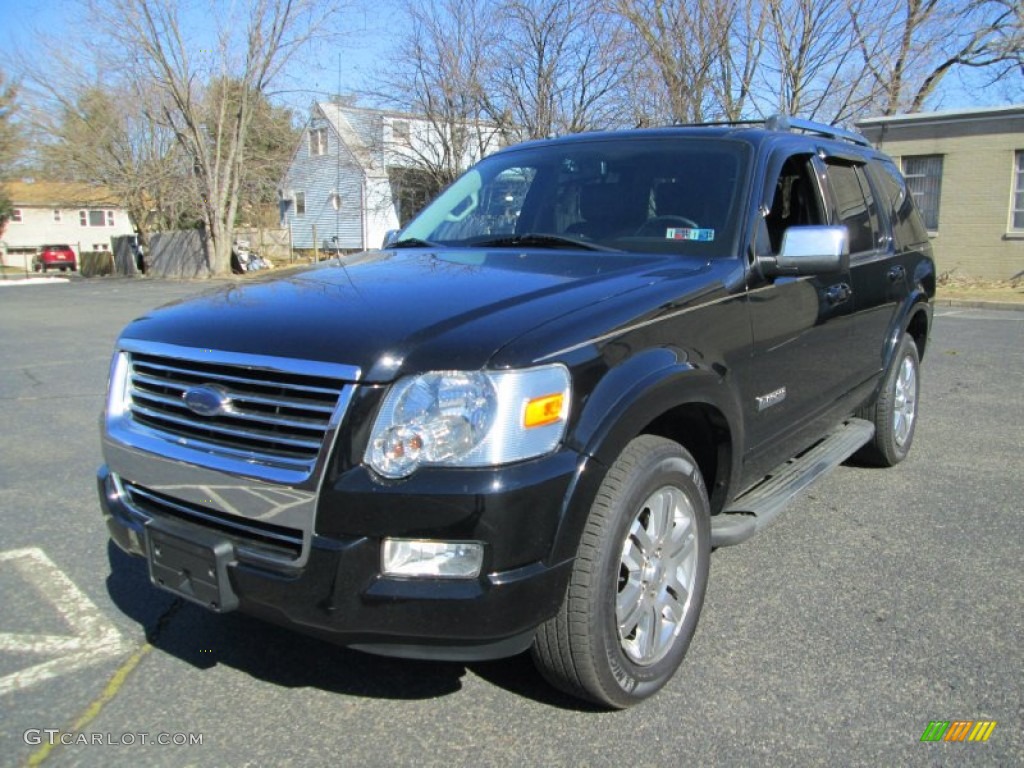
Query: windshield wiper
[539, 240]
[413, 242]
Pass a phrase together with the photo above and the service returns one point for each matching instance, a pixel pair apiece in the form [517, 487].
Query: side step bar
[759, 506]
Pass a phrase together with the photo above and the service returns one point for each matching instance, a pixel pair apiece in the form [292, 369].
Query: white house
[349, 179]
[83, 216]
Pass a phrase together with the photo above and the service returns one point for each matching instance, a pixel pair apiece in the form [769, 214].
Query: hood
[395, 312]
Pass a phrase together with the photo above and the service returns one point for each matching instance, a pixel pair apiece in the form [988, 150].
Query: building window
[1017, 214]
[96, 218]
[924, 180]
[318, 141]
[400, 132]
[16, 214]
[300, 203]
[56, 214]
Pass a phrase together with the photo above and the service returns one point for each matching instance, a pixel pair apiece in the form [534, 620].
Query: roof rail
[786, 123]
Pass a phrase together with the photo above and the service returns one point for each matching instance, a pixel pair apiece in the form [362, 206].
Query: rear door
[877, 273]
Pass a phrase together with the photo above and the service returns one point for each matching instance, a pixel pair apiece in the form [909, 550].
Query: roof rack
[786, 123]
[712, 123]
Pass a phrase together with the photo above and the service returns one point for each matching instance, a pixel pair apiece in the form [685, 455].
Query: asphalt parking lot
[880, 601]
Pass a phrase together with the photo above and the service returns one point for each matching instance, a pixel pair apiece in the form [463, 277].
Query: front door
[800, 330]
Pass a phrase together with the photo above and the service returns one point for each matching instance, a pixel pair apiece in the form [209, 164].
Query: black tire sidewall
[625, 681]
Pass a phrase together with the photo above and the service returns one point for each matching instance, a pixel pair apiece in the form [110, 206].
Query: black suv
[527, 421]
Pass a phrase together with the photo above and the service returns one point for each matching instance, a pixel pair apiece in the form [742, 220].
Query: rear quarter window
[907, 223]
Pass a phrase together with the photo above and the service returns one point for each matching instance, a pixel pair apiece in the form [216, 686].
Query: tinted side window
[856, 209]
[907, 224]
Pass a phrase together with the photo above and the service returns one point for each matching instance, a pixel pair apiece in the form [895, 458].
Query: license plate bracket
[192, 564]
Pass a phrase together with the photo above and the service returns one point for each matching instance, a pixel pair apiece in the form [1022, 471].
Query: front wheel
[894, 412]
[638, 580]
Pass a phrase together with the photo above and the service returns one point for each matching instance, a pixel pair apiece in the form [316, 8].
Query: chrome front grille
[272, 412]
[245, 455]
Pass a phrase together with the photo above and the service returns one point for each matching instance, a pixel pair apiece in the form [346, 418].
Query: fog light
[432, 559]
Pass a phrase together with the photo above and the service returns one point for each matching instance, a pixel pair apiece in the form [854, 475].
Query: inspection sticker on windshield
[703, 235]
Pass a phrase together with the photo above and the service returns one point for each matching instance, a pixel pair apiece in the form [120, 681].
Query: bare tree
[10, 144]
[437, 74]
[812, 66]
[10, 136]
[831, 60]
[681, 47]
[733, 74]
[159, 51]
[102, 136]
[272, 141]
[559, 62]
[912, 46]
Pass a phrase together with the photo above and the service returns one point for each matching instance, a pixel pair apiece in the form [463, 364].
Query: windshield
[644, 195]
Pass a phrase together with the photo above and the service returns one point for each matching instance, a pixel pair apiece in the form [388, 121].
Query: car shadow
[291, 659]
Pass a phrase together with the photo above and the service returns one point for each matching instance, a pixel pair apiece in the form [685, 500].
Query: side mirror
[812, 250]
[389, 237]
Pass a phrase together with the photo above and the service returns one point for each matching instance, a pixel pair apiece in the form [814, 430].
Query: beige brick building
[966, 171]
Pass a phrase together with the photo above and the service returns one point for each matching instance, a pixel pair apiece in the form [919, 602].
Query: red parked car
[59, 256]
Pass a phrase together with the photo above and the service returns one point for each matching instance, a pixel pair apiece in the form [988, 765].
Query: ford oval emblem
[207, 400]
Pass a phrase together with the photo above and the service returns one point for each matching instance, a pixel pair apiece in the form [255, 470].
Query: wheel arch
[919, 326]
[915, 318]
[689, 404]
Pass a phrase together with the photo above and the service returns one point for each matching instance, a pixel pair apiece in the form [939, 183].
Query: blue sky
[330, 69]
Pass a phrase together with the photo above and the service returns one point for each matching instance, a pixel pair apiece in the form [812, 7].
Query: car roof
[775, 130]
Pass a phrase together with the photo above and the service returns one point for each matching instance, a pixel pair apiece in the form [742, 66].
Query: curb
[979, 304]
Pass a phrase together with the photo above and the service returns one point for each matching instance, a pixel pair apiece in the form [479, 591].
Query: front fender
[627, 400]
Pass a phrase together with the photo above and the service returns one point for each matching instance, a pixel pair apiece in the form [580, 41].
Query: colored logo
[958, 730]
[207, 400]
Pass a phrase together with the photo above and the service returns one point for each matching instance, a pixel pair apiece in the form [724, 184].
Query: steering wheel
[651, 226]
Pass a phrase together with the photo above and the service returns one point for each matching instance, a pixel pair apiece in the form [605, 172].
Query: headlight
[469, 419]
[118, 397]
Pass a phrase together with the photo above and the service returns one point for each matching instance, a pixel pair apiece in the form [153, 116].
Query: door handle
[838, 293]
[896, 274]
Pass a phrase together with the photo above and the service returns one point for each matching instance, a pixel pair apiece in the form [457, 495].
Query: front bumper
[336, 589]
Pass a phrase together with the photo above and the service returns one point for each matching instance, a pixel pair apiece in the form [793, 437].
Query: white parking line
[92, 640]
[13, 283]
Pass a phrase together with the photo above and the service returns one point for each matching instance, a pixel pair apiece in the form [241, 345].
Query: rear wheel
[894, 413]
[638, 581]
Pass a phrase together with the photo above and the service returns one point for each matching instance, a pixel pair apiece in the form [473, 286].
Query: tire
[894, 412]
[624, 576]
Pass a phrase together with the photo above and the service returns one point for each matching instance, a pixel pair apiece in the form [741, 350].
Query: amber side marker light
[541, 411]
